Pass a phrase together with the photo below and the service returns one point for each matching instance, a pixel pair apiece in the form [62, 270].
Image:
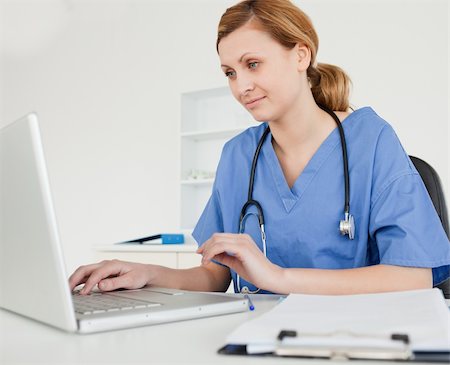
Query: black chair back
[434, 187]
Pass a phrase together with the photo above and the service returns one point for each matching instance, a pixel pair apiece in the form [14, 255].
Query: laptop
[33, 280]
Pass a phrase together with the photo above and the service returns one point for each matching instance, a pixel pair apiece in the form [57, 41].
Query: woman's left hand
[240, 253]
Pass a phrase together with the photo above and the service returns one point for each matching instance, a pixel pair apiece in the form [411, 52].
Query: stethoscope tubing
[344, 158]
[252, 202]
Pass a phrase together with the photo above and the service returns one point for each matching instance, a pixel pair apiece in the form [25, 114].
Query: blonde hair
[289, 25]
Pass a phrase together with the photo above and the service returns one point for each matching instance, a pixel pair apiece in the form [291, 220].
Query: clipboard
[414, 356]
[396, 349]
[330, 336]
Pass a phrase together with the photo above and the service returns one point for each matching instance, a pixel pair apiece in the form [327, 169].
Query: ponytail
[330, 86]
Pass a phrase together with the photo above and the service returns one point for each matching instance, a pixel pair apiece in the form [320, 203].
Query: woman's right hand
[110, 275]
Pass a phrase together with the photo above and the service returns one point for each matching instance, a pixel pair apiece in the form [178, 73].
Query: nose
[244, 84]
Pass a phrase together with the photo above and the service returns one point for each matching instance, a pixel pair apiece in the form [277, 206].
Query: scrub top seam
[390, 182]
[427, 264]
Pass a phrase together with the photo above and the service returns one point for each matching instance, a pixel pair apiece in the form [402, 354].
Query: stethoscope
[346, 226]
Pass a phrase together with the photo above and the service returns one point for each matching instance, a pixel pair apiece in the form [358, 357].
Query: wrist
[154, 273]
[277, 279]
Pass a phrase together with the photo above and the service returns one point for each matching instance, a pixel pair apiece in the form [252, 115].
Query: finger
[118, 282]
[215, 238]
[210, 247]
[109, 269]
[226, 260]
[125, 281]
[81, 274]
[204, 247]
[227, 235]
[232, 263]
[228, 247]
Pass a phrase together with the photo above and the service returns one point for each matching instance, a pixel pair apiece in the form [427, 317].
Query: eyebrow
[240, 59]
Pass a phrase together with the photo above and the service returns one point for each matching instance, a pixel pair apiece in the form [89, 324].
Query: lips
[253, 102]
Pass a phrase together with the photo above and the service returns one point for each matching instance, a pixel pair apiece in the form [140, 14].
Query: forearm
[197, 278]
[371, 279]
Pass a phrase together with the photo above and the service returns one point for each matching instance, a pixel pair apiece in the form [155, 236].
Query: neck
[302, 126]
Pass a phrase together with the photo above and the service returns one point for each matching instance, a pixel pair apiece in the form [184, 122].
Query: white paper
[421, 314]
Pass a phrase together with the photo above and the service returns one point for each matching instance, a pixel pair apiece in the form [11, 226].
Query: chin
[260, 117]
[261, 120]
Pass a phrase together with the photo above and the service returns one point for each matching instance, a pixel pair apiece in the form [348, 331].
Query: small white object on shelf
[207, 182]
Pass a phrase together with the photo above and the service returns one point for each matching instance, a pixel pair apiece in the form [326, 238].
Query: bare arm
[114, 274]
[240, 253]
[212, 277]
[371, 279]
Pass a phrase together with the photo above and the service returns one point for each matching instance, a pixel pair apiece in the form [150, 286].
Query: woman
[267, 50]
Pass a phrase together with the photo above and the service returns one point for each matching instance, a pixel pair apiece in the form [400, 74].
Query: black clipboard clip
[344, 345]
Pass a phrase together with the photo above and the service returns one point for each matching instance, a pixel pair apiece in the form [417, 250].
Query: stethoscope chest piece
[347, 226]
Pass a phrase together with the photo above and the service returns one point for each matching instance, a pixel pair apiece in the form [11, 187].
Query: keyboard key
[101, 303]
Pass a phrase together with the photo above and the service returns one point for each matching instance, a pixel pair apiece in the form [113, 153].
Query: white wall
[105, 78]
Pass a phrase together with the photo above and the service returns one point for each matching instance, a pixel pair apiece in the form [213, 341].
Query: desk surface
[188, 342]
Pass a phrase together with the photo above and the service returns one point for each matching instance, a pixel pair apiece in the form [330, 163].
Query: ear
[303, 57]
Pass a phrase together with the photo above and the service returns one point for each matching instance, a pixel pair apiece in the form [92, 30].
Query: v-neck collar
[290, 196]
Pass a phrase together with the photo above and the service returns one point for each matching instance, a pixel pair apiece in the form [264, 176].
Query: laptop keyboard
[100, 303]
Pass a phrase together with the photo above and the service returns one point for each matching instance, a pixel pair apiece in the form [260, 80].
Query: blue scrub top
[396, 222]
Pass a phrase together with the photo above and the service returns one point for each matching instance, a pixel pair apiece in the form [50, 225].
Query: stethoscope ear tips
[347, 226]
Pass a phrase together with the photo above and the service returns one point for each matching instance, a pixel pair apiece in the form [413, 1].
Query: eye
[230, 74]
[253, 65]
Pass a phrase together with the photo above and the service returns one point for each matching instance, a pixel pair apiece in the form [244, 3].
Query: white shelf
[216, 134]
[209, 118]
[186, 247]
[193, 182]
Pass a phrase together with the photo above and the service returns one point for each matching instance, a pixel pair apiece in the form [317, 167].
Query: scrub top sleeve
[210, 221]
[403, 221]
[407, 229]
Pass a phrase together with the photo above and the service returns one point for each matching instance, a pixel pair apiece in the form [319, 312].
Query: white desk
[176, 256]
[189, 342]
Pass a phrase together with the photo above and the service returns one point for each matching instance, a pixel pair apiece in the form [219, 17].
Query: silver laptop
[33, 281]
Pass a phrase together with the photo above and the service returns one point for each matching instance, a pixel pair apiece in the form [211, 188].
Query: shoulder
[376, 148]
[371, 133]
[366, 120]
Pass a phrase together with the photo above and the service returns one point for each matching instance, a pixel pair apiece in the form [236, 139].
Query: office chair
[434, 187]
